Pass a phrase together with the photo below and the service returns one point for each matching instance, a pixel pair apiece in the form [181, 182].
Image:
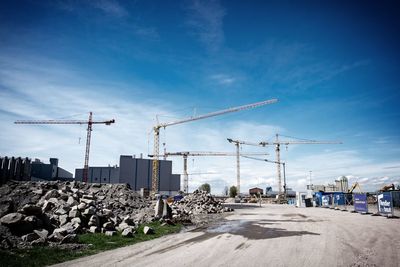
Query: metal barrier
[378, 203]
[396, 203]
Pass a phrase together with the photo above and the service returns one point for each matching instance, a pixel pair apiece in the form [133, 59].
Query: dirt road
[272, 235]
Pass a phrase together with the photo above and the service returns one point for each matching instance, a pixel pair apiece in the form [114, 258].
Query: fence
[14, 169]
[378, 203]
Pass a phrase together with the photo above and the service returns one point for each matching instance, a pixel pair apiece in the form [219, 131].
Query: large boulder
[12, 219]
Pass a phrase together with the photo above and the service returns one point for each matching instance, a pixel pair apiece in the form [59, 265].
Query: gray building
[49, 171]
[137, 172]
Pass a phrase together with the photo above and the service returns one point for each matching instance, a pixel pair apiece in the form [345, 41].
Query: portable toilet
[301, 199]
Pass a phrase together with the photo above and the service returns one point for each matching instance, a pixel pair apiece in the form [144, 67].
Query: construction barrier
[385, 204]
[339, 201]
[360, 202]
[396, 203]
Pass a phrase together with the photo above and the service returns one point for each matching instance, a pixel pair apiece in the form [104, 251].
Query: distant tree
[205, 187]
[232, 191]
[226, 191]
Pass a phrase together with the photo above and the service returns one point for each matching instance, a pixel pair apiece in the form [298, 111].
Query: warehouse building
[49, 171]
[137, 172]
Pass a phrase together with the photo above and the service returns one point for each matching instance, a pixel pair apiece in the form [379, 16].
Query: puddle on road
[249, 229]
[254, 230]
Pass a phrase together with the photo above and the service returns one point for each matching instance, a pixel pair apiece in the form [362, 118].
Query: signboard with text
[360, 203]
[385, 203]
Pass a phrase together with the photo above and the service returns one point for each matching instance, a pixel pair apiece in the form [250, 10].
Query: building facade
[137, 172]
[256, 191]
[49, 171]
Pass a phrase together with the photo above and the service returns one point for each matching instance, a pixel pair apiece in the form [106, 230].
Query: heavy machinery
[277, 143]
[158, 126]
[354, 186]
[387, 187]
[89, 123]
[185, 156]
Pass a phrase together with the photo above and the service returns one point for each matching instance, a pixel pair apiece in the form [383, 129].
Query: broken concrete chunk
[70, 238]
[128, 232]
[30, 237]
[110, 233]
[148, 230]
[90, 211]
[42, 233]
[30, 209]
[82, 206]
[12, 219]
[94, 229]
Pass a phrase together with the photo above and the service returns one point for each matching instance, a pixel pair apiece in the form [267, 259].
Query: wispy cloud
[223, 79]
[110, 7]
[55, 91]
[206, 20]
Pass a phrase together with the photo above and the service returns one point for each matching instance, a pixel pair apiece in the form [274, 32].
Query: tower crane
[277, 143]
[276, 162]
[158, 126]
[185, 156]
[89, 123]
[237, 143]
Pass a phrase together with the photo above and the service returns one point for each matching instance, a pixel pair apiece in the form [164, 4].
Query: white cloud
[206, 18]
[31, 92]
[111, 7]
[223, 79]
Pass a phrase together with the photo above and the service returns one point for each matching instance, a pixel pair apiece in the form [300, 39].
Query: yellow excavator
[356, 184]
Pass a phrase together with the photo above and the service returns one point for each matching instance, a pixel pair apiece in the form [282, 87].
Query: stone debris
[34, 213]
[48, 213]
[200, 202]
[148, 230]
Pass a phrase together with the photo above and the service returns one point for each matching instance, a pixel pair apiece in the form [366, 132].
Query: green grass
[42, 256]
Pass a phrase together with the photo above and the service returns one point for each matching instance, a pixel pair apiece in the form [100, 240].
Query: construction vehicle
[89, 123]
[354, 186]
[387, 187]
[158, 126]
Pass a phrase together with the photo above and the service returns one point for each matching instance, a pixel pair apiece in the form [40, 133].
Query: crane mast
[158, 126]
[277, 145]
[89, 123]
[185, 156]
[237, 144]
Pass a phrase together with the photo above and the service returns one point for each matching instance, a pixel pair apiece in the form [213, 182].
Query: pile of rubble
[40, 212]
[200, 202]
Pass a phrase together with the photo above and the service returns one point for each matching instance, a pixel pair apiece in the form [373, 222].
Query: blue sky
[334, 66]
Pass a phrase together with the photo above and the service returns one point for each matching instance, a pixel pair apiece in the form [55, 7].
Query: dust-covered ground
[271, 235]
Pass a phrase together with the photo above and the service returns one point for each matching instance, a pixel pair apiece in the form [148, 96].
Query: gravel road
[271, 235]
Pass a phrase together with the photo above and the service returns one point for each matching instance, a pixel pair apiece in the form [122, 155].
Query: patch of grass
[42, 256]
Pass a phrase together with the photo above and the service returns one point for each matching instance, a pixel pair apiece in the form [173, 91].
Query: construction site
[45, 205]
[199, 133]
